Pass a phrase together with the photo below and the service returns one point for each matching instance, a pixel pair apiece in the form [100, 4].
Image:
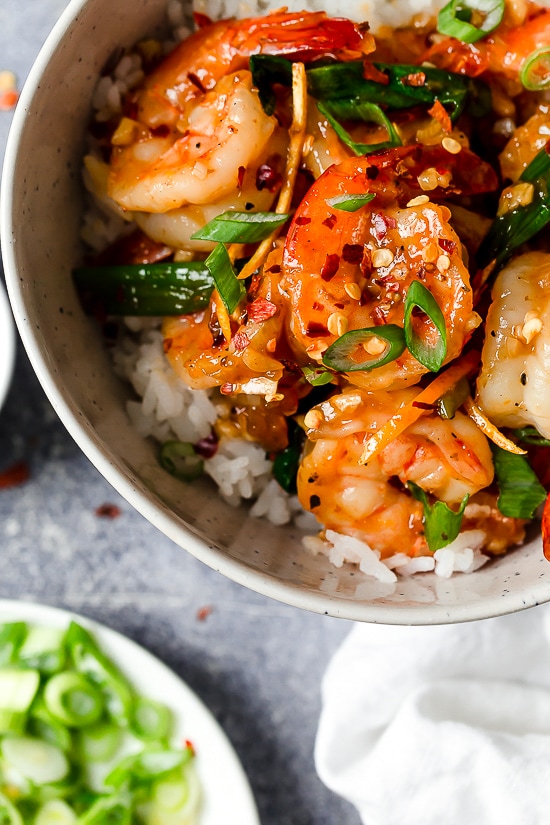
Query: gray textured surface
[256, 664]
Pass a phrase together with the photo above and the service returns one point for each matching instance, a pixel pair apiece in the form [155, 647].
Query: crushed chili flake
[380, 226]
[202, 614]
[261, 309]
[167, 344]
[267, 178]
[439, 113]
[446, 244]
[241, 341]
[378, 316]
[331, 266]
[108, 511]
[422, 406]
[302, 221]
[240, 176]
[226, 389]
[370, 72]
[414, 79]
[201, 20]
[318, 307]
[330, 221]
[208, 446]
[352, 253]
[15, 475]
[316, 330]
[190, 746]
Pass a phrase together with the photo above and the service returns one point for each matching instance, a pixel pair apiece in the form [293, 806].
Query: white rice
[166, 409]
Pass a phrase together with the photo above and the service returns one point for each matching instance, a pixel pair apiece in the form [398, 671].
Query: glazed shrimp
[524, 144]
[513, 388]
[448, 458]
[250, 363]
[503, 53]
[344, 271]
[199, 125]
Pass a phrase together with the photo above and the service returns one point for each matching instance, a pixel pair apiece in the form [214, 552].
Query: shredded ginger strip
[488, 428]
[412, 411]
[297, 134]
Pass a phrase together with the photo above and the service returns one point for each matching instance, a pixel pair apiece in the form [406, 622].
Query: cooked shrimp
[513, 388]
[199, 125]
[503, 52]
[224, 133]
[250, 363]
[448, 458]
[351, 270]
[524, 144]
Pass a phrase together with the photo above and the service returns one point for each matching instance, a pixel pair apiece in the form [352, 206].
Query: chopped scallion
[350, 203]
[230, 289]
[334, 111]
[530, 435]
[429, 355]
[72, 700]
[458, 19]
[441, 524]
[180, 459]
[241, 227]
[535, 70]
[360, 349]
[316, 376]
[521, 493]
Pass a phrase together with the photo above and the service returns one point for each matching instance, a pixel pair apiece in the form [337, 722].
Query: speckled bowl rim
[7, 345]
[154, 510]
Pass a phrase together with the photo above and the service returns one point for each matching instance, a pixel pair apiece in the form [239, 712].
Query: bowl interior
[7, 345]
[42, 196]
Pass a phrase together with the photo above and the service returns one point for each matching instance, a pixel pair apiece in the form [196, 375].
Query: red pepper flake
[545, 529]
[315, 330]
[196, 81]
[108, 511]
[201, 20]
[439, 113]
[446, 244]
[267, 178]
[317, 306]
[414, 79]
[207, 447]
[261, 309]
[380, 228]
[330, 267]
[240, 176]
[352, 253]
[330, 221]
[241, 341]
[378, 316]
[202, 614]
[15, 475]
[226, 389]
[190, 747]
[370, 72]
[302, 221]
[167, 344]
[8, 100]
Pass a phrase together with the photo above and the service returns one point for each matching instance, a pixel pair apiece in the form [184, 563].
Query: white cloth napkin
[445, 725]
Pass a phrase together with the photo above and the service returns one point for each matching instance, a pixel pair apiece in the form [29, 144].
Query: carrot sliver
[415, 409]
[488, 428]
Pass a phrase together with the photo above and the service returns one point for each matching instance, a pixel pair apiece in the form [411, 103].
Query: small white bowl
[7, 345]
[42, 197]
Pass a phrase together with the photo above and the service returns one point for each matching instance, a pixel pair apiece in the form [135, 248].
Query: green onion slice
[151, 720]
[539, 166]
[347, 355]
[166, 288]
[449, 403]
[530, 435]
[454, 19]
[441, 524]
[535, 70]
[430, 356]
[230, 289]
[520, 490]
[72, 699]
[9, 815]
[114, 810]
[316, 376]
[287, 462]
[334, 111]
[350, 203]
[241, 227]
[99, 743]
[180, 459]
[11, 639]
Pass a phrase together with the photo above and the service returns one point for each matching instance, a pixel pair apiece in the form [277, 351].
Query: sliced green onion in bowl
[449, 403]
[11, 639]
[230, 289]
[17, 691]
[9, 815]
[55, 812]
[342, 355]
[520, 491]
[455, 18]
[535, 70]
[335, 110]
[180, 459]
[430, 356]
[100, 742]
[530, 435]
[35, 759]
[43, 649]
[71, 699]
[316, 376]
[350, 203]
[441, 524]
[241, 227]
[110, 810]
[150, 720]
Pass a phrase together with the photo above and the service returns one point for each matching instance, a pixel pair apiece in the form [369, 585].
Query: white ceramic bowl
[41, 203]
[7, 345]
